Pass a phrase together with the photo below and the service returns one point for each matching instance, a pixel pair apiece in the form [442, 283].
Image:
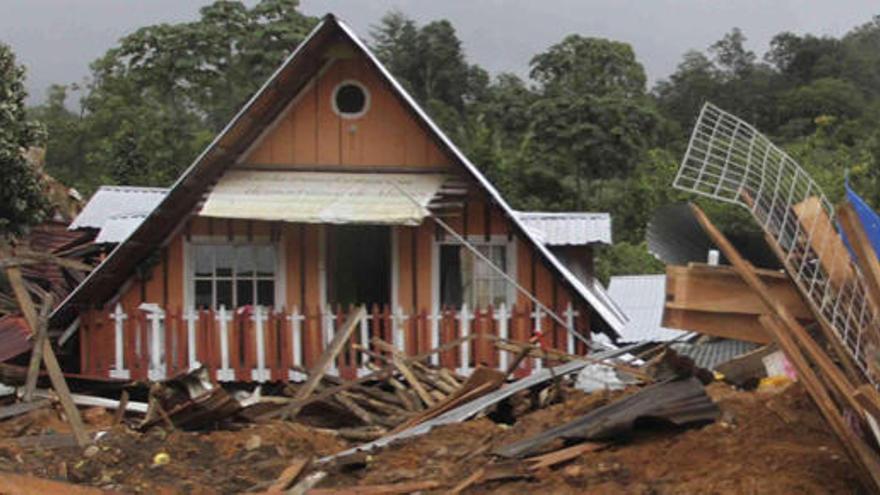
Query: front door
[358, 265]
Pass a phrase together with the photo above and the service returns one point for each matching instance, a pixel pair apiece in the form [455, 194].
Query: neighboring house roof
[267, 103]
[117, 201]
[713, 353]
[568, 229]
[642, 298]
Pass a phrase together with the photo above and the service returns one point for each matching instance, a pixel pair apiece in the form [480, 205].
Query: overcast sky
[57, 39]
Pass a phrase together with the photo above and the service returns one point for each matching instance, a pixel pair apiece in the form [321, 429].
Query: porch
[260, 344]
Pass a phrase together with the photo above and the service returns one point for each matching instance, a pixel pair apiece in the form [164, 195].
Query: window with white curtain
[466, 278]
[233, 275]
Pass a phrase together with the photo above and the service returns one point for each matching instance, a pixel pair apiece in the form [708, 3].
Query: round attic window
[350, 99]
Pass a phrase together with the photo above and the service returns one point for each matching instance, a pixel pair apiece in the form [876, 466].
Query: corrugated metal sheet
[14, 337]
[711, 354]
[642, 298]
[117, 229]
[567, 229]
[323, 197]
[115, 201]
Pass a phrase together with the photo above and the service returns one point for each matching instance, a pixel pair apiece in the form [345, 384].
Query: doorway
[358, 265]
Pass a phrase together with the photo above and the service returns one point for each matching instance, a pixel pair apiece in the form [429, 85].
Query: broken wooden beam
[333, 349]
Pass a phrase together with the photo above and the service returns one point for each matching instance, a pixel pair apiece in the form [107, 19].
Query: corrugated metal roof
[117, 201]
[117, 229]
[568, 229]
[711, 354]
[642, 298]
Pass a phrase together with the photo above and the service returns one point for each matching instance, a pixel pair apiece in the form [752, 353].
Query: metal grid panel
[727, 159]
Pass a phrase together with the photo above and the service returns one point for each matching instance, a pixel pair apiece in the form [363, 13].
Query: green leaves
[156, 98]
[22, 203]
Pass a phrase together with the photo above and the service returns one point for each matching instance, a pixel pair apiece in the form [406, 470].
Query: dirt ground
[766, 442]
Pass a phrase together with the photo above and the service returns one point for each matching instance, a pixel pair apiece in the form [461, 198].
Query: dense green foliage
[21, 196]
[583, 132]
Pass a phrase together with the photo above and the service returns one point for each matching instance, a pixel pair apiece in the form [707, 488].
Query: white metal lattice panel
[729, 160]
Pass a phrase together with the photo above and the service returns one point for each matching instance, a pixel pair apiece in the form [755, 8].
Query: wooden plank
[726, 325]
[390, 489]
[719, 289]
[414, 382]
[867, 257]
[327, 357]
[829, 248]
[466, 483]
[551, 459]
[289, 475]
[40, 335]
[869, 398]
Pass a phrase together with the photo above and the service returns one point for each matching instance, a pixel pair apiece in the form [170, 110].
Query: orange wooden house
[329, 189]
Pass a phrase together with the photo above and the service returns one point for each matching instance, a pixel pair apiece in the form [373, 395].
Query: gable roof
[266, 104]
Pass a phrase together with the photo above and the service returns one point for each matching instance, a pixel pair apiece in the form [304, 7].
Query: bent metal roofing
[266, 104]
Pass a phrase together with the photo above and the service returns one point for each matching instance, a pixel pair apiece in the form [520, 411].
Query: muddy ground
[766, 442]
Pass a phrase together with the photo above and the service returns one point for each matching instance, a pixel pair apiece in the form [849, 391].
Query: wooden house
[329, 189]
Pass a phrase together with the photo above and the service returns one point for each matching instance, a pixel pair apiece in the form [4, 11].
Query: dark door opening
[358, 264]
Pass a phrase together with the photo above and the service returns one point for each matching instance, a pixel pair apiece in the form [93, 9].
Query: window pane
[499, 257]
[244, 261]
[244, 291]
[224, 293]
[266, 293]
[224, 260]
[265, 257]
[203, 294]
[204, 257]
[499, 292]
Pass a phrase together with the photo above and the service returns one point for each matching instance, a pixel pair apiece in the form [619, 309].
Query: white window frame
[189, 295]
[476, 240]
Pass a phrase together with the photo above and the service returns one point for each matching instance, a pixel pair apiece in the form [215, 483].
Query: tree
[67, 138]
[592, 66]
[431, 64]
[591, 120]
[156, 98]
[22, 203]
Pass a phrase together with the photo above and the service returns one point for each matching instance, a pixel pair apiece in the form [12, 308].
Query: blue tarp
[869, 218]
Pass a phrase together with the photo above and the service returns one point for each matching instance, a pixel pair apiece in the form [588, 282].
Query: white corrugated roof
[568, 229]
[117, 229]
[117, 201]
[642, 297]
